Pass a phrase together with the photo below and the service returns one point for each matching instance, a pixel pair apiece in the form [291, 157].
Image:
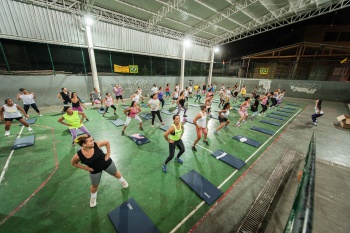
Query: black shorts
[175, 98]
[119, 97]
[222, 119]
[190, 93]
[11, 119]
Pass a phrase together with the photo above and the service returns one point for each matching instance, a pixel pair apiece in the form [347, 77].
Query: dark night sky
[269, 40]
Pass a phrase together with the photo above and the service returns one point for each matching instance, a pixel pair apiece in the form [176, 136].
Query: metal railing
[301, 215]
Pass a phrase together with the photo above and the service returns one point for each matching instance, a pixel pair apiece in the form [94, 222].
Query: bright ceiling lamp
[88, 20]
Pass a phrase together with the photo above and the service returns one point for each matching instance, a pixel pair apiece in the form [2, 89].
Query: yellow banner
[264, 70]
[121, 69]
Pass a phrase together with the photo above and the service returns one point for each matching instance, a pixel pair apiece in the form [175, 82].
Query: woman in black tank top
[181, 103]
[95, 161]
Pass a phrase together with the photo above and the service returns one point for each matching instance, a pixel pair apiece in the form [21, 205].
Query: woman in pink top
[109, 102]
[131, 113]
[264, 100]
[243, 111]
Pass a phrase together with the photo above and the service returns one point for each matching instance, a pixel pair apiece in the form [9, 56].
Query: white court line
[224, 182]
[9, 158]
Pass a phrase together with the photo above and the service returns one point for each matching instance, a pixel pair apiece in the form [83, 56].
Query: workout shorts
[119, 97]
[96, 178]
[11, 119]
[222, 119]
[242, 114]
[200, 130]
[175, 98]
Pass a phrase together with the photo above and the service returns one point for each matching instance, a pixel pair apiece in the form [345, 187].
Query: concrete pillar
[92, 57]
[182, 75]
[211, 65]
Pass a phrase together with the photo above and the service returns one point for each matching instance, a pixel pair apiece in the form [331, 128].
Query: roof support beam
[268, 22]
[162, 12]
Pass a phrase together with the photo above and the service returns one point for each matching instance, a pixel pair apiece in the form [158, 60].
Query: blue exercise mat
[275, 117]
[279, 114]
[146, 116]
[289, 108]
[164, 127]
[24, 142]
[270, 122]
[262, 130]
[118, 122]
[286, 111]
[229, 159]
[29, 121]
[144, 105]
[139, 139]
[293, 104]
[130, 218]
[167, 112]
[204, 189]
[249, 141]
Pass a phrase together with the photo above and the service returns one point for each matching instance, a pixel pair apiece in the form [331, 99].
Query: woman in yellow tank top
[173, 135]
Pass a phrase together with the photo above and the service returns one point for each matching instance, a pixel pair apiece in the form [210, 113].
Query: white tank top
[202, 122]
[136, 98]
[225, 114]
[176, 95]
[27, 99]
[11, 112]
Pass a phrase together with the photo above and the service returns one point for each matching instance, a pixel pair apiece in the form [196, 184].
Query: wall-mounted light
[88, 20]
[187, 42]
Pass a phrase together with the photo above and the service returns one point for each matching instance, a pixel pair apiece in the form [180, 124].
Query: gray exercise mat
[194, 105]
[279, 114]
[164, 127]
[289, 108]
[293, 104]
[139, 139]
[262, 130]
[229, 159]
[167, 112]
[275, 117]
[270, 122]
[24, 142]
[130, 218]
[249, 141]
[118, 122]
[29, 121]
[189, 120]
[146, 116]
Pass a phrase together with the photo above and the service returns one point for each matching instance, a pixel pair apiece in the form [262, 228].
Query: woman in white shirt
[28, 100]
[154, 105]
[318, 111]
[200, 121]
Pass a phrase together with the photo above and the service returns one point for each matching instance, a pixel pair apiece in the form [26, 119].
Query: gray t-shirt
[154, 104]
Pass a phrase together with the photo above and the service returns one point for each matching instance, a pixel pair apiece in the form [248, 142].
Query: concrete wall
[47, 87]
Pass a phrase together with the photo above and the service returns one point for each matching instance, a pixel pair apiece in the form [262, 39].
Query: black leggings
[172, 146]
[154, 116]
[264, 108]
[66, 107]
[162, 101]
[112, 106]
[274, 102]
[26, 107]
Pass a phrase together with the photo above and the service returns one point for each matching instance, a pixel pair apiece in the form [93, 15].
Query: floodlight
[187, 42]
[88, 20]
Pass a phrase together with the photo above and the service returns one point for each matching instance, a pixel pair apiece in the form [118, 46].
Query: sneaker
[141, 128]
[164, 168]
[152, 126]
[123, 133]
[7, 133]
[206, 142]
[179, 160]
[185, 115]
[315, 123]
[125, 184]
[40, 115]
[93, 202]
[194, 148]
[30, 129]
[238, 125]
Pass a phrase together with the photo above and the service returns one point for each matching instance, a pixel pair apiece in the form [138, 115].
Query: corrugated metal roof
[220, 21]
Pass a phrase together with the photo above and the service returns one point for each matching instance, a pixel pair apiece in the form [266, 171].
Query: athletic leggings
[26, 107]
[264, 108]
[179, 109]
[198, 97]
[112, 106]
[74, 132]
[162, 101]
[274, 102]
[172, 146]
[154, 116]
[314, 116]
[66, 107]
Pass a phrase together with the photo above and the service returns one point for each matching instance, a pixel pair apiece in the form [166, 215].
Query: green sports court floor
[42, 192]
